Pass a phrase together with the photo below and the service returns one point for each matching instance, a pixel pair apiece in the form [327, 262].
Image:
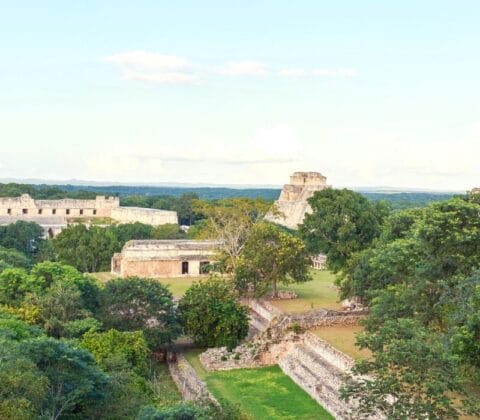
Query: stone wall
[163, 258]
[191, 387]
[315, 365]
[69, 210]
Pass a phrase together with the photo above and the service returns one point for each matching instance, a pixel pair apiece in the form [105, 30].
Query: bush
[211, 314]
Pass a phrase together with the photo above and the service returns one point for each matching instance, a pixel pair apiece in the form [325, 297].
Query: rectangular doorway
[184, 267]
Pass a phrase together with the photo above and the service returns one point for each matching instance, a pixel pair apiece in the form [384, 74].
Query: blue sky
[367, 92]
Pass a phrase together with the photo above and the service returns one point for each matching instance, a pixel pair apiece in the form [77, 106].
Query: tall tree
[341, 223]
[131, 304]
[271, 256]
[230, 222]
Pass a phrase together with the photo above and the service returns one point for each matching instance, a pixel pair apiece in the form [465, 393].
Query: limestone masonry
[164, 258]
[292, 203]
[54, 215]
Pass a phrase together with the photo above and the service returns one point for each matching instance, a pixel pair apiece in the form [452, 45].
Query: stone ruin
[278, 338]
[292, 205]
[55, 215]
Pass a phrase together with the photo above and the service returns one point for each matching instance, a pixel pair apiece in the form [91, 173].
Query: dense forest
[146, 196]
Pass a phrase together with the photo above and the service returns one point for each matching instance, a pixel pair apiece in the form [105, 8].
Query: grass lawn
[177, 285]
[319, 293]
[263, 393]
[343, 338]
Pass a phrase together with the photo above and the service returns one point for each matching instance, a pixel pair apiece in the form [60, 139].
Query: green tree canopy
[211, 314]
[73, 377]
[341, 223]
[131, 304]
[271, 256]
[130, 347]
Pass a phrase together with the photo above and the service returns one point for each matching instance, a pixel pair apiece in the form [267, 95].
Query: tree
[271, 256]
[73, 377]
[410, 375]
[21, 235]
[465, 339]
[176, 412]
[15, 283]
[230, 222]
[131, 304]
[167, 231]
[341, 223]
[14, 258]
[59, 305]
[86, 249]
[211, 314]
[23, 388]
[47, 273]
[129, 347]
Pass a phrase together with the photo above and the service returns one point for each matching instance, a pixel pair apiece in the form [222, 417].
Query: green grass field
[343, 338]
[319, 293]
[263, 393]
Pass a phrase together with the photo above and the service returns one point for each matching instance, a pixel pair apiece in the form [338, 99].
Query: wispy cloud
[170, 69]
[242, 68]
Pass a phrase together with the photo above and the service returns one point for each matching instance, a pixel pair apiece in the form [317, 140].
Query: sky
[369, 93]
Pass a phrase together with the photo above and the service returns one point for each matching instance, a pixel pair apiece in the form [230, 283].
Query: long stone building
[54, 215]
[164, 258]
[292, 204]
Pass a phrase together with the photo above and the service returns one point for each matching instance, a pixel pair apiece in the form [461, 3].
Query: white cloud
[148, 61]
[161, 78]
[292, 72]
[242, 68]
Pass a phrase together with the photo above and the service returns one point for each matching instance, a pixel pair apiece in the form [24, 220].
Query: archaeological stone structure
[165, 258]
[54, 215]
[476, 190]
[292, 204]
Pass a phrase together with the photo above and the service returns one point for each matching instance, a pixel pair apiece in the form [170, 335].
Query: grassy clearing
[319, 293]
[165, 391]
[343, 338]
[263, 393]
[177, 285]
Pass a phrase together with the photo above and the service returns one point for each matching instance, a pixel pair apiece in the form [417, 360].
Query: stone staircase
[318, 368]
[261, 314]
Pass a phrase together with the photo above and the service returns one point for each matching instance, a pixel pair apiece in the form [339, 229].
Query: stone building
[164, 258]
[319, 262]
[475, 191]
[292, 203]
[54, 215]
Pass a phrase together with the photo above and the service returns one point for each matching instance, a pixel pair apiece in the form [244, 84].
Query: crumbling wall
[191, 387]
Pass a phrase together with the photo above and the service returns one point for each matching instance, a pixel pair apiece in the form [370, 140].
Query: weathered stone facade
[292, 204]
[319, 262]
[164, 258]
[475, 191]
[315, 365]
[54, 215]
[191, 387]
